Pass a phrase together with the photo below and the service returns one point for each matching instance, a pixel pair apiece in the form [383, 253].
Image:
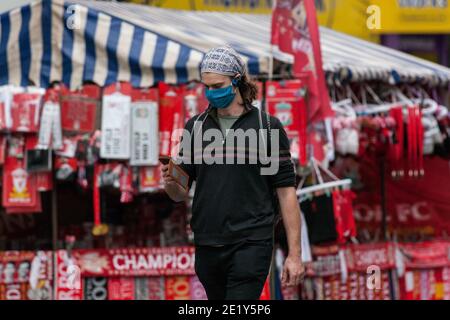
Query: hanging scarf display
[126, 184]
[170, 116]
[79, 108]
[50, 132]
[144, 126]
[343, 214]
[397, 144]
[116, 109]
[121, 288]
[99, 228]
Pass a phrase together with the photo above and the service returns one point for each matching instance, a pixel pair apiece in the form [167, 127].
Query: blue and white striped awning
[105, 42]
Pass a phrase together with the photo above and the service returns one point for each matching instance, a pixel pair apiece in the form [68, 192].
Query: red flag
[295, 31]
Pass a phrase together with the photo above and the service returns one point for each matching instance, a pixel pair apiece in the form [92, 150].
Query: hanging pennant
[25, 112]
[144, 127]
[115, 140]
[19, 187]
[79, 109]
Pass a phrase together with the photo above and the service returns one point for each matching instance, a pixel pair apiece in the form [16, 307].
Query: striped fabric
[74, 41]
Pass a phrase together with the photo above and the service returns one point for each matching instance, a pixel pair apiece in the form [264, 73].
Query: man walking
[234, 205]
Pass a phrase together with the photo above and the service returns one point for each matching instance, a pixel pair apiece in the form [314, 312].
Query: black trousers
[236, 271]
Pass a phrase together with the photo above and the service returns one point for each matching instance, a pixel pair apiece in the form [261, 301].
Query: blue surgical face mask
[222, 97]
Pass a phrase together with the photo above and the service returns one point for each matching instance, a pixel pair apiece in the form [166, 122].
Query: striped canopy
[74, 41]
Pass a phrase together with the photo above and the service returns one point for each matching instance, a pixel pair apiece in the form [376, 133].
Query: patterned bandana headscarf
[223, 60]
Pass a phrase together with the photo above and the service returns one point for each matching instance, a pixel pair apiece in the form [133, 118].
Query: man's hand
[293, 271]
[173, 189]
[168, 180]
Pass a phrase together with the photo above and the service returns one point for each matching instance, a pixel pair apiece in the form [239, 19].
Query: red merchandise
[195, 101]
[149, 178]
[170, 116]
[79, 109]
[25, 112]
[295, 31]
[343, 214]
[121, 288]
[2, 149]
[433, 254]
[136, 261]
[14, 291]
[96, 194]
[396, 149]
[361, 256]
[17, 266]
[285, 101]
[414, 206]
[156, 288]
[126, 184]
[265, 294]
[177, 288]
[44, 181]
[68, 278]
[19, 187]
[22, 210]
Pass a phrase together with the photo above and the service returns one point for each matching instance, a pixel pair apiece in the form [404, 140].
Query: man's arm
[290, 210]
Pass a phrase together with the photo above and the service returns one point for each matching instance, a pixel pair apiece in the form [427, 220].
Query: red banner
[362, 256]
[425, 255]
[16, 266]
[25, 112]
[136, 261]
[414, 206]
[295, 31]
[19, 187]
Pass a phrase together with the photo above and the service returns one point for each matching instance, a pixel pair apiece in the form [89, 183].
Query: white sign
[145, 133]
[115, 141]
